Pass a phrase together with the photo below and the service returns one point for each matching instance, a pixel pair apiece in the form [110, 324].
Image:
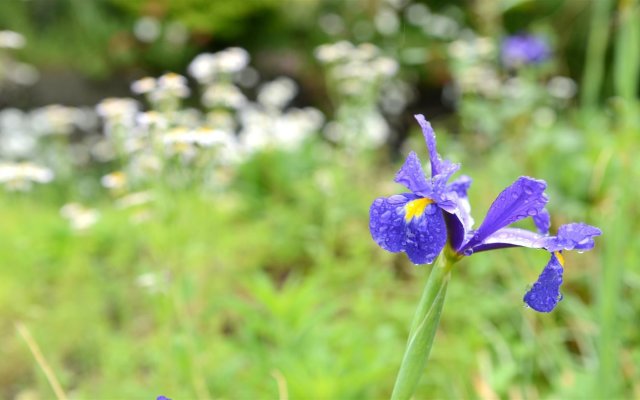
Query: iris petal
[574, 236]
[542, 221]
[523, 198]
[544, 295]
[426, 236]
[417, 228]
[438, 165]
[511, 237]
[412, 176]
[386, 221]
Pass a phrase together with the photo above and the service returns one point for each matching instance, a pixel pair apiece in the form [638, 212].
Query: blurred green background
[222, 250]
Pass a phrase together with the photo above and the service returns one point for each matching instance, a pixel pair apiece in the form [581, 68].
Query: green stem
[423, 329]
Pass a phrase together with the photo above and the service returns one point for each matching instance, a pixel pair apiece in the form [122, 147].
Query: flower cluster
[524, 49]
[435, 213]
[356, 77]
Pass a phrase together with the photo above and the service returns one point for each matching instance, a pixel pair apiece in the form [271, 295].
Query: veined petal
[510, 237]
[386, 221]
[412, 176]
[542, 221]
[426, 235]
[523, 198]
[574, 236]
[544, 295]
[408, 223]
[438, 166]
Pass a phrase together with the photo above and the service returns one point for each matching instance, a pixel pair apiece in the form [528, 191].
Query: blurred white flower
[332, 24]
[11, 40]
[562, 87]
[134, 199]
[207, 66]
[147, 29]
[54, 119]
[277, 93]
[177, 33]
[223, 95]
[171, 85]
[21, 176]
[144, 85]
[233, 59]
[329, 53]
[152, 120]
[117, 109]
[22, 73]
[417, 14]
[114, 181]
[387, 21]
[80, 217]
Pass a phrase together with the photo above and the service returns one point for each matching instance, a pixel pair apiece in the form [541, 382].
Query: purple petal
[523, 198]
[386, 221]
[510, 237]
[458, 218]
[460, 186]
[542, 221]
[438, 166]
[412, 176]
[426, 236]
[575, 236]
[544, 295]
[419, 229]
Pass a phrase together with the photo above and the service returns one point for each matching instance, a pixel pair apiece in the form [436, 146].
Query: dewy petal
[511, 237]
[386, 221]
[438, 166]
[412, 176]
[426, 235]
[523, 198]
[408, 223]
[544, 295]
[542, 221]
[574, 236]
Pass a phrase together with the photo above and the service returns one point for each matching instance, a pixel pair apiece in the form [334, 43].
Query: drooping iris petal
[438, 165]
[511, 237]
[544, 295]
[523, 198]
[412, 176]
[386, 221]
[408, 223]
[426, 235]
[575, 236]
[542, 221]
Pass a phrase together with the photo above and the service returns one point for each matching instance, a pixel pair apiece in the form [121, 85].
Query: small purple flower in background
[162, 398]
[434, 213]
[522, 49]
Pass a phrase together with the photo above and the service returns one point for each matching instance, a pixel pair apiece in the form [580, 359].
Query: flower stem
[423, 329]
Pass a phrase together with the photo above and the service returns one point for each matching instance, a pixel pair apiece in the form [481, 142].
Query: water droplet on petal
[396, 199]
[532, 212]
[468, 252]
[385, 216]
[560, 297]
[514, 195]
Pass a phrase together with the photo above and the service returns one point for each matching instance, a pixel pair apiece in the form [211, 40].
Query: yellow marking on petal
[415, 208]
[559, 257]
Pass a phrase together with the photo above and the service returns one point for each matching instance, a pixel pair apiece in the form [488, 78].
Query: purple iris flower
[435, 212]
[524, 49]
